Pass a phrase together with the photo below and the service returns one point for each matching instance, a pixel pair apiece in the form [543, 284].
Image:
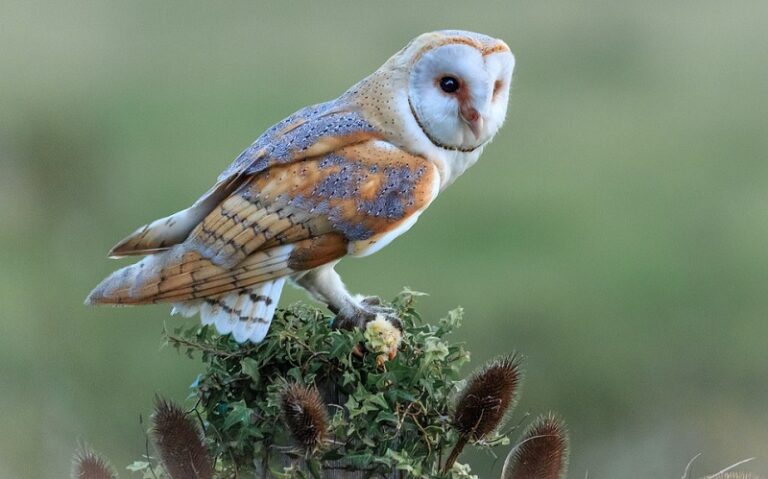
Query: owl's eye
[449, 84]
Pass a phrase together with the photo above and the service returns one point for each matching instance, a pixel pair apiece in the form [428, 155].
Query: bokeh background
[615, 232]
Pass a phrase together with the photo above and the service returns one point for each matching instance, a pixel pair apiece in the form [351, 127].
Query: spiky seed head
[306, 415]
[89, 465]
[180, 443]
[488, 395]
[542, 452]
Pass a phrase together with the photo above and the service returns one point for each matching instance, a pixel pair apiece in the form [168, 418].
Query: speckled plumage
[339, 178]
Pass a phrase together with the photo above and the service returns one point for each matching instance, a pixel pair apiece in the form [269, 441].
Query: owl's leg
[325, 285]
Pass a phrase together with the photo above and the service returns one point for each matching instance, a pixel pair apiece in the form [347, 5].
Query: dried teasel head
[484, 401]
[180, 443]
[306, 416]
[89, 465]
[487, 397]
[542, 452]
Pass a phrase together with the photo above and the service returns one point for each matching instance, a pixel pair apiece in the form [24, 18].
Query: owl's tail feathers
[122, 287]
[246, 314]
[179, 275]
[186, 278]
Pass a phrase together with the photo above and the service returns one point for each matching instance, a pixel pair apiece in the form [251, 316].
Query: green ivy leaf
[238, 414]
[250, 367]
[378, 400]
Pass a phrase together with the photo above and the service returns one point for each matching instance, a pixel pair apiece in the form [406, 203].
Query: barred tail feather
[246, 314]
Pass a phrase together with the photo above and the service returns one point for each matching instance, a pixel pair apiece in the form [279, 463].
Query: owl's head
[458, 86]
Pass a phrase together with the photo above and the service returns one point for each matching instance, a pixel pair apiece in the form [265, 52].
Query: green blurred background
[615, 232]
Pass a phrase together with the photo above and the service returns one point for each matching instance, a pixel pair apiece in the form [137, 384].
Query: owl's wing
[312, 131]
[285, 219]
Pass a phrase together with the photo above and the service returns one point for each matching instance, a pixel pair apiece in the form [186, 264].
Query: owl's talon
[363, 313]
[358, 351]
[371, 301]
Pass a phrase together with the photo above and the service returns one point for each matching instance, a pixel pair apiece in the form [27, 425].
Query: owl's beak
[473, 119]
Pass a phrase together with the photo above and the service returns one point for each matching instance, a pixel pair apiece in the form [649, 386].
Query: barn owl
[342, 178]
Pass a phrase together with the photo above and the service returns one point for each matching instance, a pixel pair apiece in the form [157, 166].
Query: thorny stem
[146, 447]
[176, 340]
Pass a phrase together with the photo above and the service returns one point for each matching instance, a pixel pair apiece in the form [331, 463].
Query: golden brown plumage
[287, 219]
